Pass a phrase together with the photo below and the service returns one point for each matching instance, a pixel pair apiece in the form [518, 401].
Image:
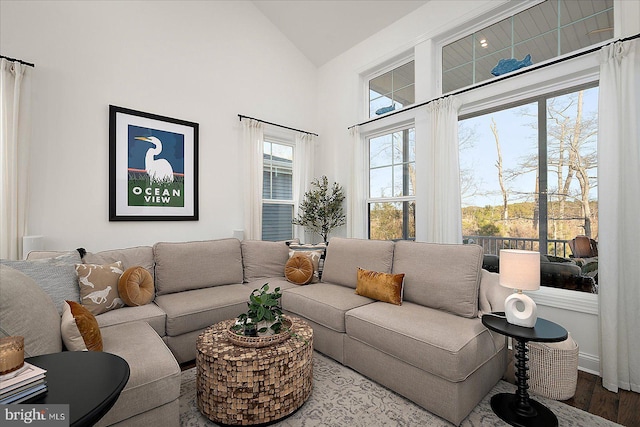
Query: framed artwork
[153, 167]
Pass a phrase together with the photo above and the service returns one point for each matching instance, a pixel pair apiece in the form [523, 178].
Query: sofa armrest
[491, 296]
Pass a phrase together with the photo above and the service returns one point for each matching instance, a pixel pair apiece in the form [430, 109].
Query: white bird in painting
[159, 170]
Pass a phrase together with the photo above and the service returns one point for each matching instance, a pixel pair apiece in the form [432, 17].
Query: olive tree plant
[321, 209]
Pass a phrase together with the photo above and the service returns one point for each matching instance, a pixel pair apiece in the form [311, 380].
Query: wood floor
[622, 407]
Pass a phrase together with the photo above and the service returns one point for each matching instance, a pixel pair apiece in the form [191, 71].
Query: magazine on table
[27, 375]
[25, 394]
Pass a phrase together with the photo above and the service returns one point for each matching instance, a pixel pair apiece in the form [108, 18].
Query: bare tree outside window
[507, 193]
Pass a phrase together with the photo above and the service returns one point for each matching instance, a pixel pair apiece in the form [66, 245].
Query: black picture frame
[153, 167]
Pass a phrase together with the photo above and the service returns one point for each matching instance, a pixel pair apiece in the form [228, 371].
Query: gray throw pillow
[27, 311]
[57, 276]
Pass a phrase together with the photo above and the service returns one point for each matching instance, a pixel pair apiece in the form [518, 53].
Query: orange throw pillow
[299, 269]
[79, 328]
[380, 286]
[135, 286]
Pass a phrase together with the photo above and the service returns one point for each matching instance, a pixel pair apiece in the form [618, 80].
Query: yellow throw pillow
[380, 286]
[99, 286]
[135, 286]
[298, 269]
[79, 329]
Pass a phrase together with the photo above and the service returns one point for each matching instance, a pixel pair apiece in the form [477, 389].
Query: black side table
[88, 381]
[518, 409]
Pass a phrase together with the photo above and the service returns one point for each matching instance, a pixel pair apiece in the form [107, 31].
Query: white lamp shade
[520, 269]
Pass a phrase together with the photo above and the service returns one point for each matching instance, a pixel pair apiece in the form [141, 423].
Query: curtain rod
[240, 116]
[29, 64]
[487, 83]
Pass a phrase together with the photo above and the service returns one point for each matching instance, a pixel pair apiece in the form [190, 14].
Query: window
[392, 182]
[529, 175]
[544, 31]
[277, 191]
[392, 90]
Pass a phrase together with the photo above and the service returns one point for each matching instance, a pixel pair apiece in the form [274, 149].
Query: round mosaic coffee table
[245, 385]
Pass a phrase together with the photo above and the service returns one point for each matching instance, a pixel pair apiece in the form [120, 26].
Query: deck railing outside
[491, 245]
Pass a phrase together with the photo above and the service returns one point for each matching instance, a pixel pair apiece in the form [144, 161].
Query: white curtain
[356, 197]
[253, 143]
[441, 161]
[14, 151]
[619, 210]
[302, 176]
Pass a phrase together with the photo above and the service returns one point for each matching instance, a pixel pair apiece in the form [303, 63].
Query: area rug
[343, 397]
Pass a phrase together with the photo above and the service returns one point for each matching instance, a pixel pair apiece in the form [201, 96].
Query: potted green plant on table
[321, 210]
[264, 315]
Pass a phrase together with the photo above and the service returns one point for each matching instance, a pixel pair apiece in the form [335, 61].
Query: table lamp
[520, 270]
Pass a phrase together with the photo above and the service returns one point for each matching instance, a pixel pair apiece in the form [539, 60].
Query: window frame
[379, 71]
[279, 140]
[542, 144]
[388, 130]
[557, 78]
[492, 17]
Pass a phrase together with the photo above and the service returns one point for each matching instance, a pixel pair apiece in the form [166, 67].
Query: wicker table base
[245, 385]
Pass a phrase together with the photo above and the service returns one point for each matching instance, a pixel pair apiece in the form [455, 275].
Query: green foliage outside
[386, 221]
[321, 210]
[523, 221]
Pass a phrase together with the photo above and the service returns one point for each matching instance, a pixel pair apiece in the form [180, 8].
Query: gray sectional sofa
[431, 349]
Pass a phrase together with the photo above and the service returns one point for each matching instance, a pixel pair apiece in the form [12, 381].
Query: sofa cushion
[195, 265]
[344, 256]
[130, 257]
[380, 286]
[299, 269]
[263, 259]
[79, 328]
[443, 344]
[446, 277]
[323, 303]
[154, 378]
[99, 286]
[26, 310]
[196, 309]
[57, 276]
[135, 286]
[149, 313]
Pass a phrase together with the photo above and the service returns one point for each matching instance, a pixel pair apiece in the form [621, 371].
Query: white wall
[203, 62]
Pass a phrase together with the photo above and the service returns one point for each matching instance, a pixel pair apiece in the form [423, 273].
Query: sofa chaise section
[453, 361]
[151, 395]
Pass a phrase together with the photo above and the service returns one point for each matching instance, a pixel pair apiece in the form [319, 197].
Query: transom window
[544, 31]
[277, 191]
[392, 182]
[392, 90]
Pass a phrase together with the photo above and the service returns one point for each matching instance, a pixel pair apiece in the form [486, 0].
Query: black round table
[88, 381]
[518, 409]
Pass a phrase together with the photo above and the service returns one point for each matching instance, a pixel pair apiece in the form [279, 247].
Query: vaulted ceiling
[323, 29]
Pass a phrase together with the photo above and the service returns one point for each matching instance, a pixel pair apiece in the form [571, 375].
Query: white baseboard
[589, 363]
